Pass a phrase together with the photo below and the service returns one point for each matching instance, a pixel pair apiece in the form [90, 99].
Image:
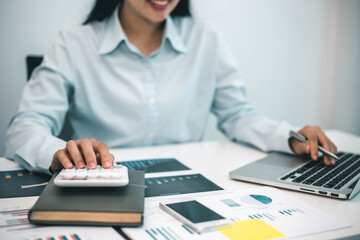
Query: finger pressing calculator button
[81, 172]
[93, 171]
[71, 170]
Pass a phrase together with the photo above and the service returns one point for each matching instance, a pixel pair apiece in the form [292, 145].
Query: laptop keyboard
[317, 174]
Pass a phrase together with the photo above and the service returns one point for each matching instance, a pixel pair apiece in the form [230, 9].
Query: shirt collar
[172, 34]
[114, 34]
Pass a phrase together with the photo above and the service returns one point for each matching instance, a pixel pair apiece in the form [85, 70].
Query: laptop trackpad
[283, 160]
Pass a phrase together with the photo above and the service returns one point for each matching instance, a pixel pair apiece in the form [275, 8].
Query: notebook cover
[128, 199]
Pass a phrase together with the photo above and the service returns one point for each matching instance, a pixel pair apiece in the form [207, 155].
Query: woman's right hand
[82, 152]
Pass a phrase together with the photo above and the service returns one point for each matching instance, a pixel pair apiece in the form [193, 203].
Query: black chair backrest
[32, 61]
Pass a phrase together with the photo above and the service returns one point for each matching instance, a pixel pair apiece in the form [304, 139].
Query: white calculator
[116, 176]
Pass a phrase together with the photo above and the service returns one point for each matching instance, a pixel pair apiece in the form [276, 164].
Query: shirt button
[152, 100]
[147, 65]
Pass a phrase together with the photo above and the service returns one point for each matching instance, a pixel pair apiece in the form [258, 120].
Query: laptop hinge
[355, 190]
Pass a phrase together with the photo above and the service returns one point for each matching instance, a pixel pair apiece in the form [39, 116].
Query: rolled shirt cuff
[37, 153]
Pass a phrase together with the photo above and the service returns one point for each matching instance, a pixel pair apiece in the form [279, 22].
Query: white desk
[216, 159]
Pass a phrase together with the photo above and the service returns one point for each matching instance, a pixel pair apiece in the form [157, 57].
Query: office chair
[32, 61]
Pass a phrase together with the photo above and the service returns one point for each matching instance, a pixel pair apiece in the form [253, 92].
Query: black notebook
[100, 206]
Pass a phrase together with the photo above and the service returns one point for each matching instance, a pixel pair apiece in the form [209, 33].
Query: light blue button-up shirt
[120, 97]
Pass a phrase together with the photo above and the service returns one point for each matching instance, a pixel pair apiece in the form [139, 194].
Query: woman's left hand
[315, 136]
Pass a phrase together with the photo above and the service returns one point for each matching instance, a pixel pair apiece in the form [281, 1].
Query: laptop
[297, 173]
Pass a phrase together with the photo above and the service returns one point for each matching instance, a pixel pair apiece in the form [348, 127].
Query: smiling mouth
[159, 4]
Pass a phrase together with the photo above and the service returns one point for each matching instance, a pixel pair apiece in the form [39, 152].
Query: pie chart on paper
[256, 199]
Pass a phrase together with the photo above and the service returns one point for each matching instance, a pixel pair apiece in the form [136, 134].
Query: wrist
[290, 143]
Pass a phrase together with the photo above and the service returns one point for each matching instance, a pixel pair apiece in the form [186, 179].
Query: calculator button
[106, 177]
[93, 172]
[92, 177]
[67, 177]
[77, 177]
[104, 170]
[71, 170]
[67, 174]
[81, 172]
[116, 176]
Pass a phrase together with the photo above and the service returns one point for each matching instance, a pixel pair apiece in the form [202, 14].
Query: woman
[138, 73]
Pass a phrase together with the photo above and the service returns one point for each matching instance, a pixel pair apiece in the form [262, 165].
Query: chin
[156, 17]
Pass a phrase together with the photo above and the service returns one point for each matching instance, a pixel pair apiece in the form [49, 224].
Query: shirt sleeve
[31, 137]
[237, 118]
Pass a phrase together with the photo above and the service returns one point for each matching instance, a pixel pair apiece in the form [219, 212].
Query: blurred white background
[300, 58]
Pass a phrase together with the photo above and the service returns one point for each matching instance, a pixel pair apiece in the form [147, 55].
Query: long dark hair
[104, 8]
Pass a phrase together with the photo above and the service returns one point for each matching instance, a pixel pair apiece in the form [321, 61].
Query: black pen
[301, 138]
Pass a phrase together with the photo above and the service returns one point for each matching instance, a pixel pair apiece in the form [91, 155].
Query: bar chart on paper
[170, 232]
[249, 209]
[231, 203]
[21, 183]
[51, 233]
[256, 199]
[180, 184]
[291, 212]
[165, 232]
[155, 165]
[51, 236]
[276, 215]
[159, 225]
[65, 237]
[263, 216]
[15, 220]
[281, 212]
